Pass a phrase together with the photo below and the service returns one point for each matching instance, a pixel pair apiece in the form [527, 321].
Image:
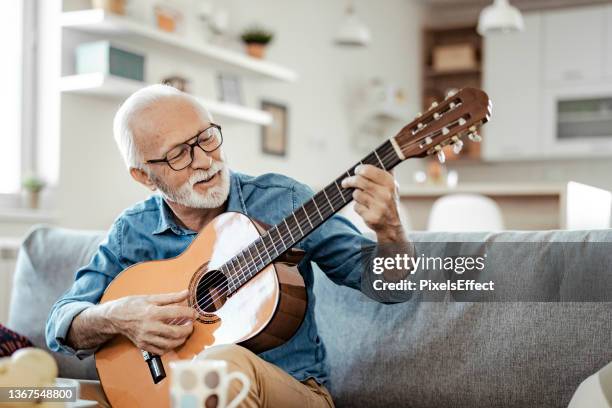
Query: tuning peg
[436, 116]
[441, 157]
[434, 105]
[420, 126]
[462, 122]
[452, 105]
[457, 146]
[475, 137]
[451, 93]
[428, 140]
[445, 131]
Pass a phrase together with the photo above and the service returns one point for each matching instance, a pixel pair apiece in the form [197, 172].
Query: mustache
[202, 175]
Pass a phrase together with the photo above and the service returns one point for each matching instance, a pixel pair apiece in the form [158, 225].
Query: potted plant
[32, 186]
[256, 39]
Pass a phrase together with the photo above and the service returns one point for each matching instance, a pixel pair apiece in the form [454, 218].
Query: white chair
[595, 391]
[465, 212]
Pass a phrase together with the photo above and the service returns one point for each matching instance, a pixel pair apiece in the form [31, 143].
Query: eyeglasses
[181, 156]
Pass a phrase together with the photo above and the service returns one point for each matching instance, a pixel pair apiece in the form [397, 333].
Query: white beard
[185, 195]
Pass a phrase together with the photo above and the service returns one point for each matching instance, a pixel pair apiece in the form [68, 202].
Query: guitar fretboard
[292, 229]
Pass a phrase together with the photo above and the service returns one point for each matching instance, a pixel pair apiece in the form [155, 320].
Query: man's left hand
[376, 198]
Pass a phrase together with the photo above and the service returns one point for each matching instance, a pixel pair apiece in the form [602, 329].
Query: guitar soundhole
[211, 291]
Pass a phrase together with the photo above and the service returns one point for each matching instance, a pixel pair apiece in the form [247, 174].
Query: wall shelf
[436, 83]
[98, 21]
[390, 112]
[98, 84]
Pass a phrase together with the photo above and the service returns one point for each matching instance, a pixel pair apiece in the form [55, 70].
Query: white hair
[136, 103]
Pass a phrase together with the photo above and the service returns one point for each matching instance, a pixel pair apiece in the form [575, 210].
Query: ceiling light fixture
[500, 17]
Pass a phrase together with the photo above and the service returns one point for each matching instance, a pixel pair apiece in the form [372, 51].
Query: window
[16, 35]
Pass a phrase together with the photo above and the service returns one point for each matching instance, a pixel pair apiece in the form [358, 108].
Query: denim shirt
[148, 231]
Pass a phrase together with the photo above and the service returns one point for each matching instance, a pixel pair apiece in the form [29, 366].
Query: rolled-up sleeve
[336, 246]
[86, 291]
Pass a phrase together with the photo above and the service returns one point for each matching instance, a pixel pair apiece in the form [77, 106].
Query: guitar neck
[305, 219]
[443, 124]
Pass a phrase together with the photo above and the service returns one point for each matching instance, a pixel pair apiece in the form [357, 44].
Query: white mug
[204, 383]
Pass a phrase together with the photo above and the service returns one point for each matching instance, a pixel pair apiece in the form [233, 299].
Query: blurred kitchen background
[307, 88]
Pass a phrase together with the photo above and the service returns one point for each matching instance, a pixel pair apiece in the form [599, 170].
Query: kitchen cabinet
[573, 44]
[608, 44]
[512, 65]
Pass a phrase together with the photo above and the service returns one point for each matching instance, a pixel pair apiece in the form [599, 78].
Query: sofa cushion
[460, 354]
[47, 262]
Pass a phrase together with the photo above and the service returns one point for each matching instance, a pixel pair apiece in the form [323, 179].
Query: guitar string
[253, 265]
[283, 236]
[254, 245]
[339, 198]
[253, 261]
[303, 223]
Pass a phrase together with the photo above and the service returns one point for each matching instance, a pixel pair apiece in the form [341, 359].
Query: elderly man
[171, 146]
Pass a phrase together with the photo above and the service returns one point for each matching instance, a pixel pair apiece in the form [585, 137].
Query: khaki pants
[270, 385]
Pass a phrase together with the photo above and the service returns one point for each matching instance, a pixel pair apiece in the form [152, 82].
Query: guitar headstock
[446, 123]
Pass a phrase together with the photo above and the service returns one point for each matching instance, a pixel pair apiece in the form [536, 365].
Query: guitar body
[264, 313]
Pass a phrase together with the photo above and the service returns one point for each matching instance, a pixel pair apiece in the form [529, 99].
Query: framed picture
[274, 136]
[230, 90]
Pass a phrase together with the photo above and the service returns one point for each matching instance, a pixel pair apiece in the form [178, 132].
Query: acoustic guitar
[242, 275]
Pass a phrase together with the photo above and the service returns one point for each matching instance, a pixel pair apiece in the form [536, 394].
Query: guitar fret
[236, 269]
[266, 248]
[272, 243]
[339, 189]
[228, 274]
[393, 157]
[288, 229]
[259, 253]
[281, 241]
[252, 258]
[251, 254]
[298, 224]
[307, 217]
[330, 204]
[246, 264]
[380, 161]
[231, 273]
[314, 201]
[236, 274]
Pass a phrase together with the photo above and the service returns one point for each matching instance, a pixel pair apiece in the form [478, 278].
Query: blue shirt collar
[168, 221]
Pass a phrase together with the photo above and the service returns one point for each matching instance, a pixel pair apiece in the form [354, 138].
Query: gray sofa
[413, 354]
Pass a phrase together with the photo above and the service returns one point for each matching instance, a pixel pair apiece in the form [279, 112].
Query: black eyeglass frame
[191, 148]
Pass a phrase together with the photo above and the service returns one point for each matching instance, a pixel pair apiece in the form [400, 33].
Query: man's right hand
[154, 323]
